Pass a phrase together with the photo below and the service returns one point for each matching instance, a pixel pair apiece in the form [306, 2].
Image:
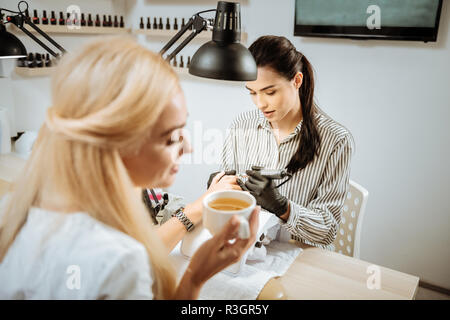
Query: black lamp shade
[224, 57]
[10, 45]
[230, 61]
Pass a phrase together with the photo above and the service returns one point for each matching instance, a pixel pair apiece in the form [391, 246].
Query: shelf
[34, 72]
[170, 33]
[43, 72]
[181, 71]
[111, 30]
[81, 30]
[46, 72]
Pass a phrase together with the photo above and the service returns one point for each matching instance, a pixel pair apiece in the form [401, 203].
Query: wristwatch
[184, 219]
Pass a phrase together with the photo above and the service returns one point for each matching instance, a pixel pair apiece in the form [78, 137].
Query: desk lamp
[221, 58]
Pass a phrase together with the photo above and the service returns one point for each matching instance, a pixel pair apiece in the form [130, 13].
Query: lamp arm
[46, 36]
[19, 19]
[199, 23]
[181, 46]
[32, 36]
[4, 9]
[177, 36]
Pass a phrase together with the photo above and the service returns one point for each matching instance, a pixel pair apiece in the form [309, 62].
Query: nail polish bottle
[175, 24]
[155, 25]
[149, 25]
[35, 18]
[182, 23]
[61, 19]
[122, 24]
[83, 20]
[68, 20]
[181, 62]
[141, 25]
[167, 24]
[160, 26]
[75, 19]
[188, 62]
[105, 21]
[97, 20]
[90, 23]
[116, 22]
[39, 62]
[31, 63]
[21, 62]
[53, 19]
[175, 61]
[48, 62]
[110, 24]
[44, 17]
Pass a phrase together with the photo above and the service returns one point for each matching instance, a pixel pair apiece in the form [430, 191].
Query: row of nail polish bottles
[74, 19]
[160, 25]
[181, 63]
[36, 60]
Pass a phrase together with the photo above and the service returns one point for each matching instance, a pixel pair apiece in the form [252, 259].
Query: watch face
[177, 211]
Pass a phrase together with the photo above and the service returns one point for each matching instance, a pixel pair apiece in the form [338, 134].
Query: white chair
[348, 239]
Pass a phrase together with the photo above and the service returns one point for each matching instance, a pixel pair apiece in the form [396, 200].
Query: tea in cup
[220, 206]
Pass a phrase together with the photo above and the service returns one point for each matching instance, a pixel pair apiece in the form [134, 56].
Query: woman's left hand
[223, 181]
[265, 193]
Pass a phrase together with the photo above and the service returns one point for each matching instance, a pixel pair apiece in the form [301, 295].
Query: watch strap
[179, 214]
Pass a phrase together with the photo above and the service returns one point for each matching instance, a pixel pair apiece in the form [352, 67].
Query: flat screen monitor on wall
[416, 20]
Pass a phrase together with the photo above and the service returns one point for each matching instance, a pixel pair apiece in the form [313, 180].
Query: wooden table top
[323, 275]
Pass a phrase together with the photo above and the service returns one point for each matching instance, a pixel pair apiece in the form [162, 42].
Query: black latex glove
[212, 175]
[263, 189]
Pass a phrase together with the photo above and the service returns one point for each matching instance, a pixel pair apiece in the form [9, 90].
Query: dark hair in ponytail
[279, 54]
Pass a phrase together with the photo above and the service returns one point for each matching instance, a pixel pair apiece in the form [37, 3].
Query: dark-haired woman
[288, 131]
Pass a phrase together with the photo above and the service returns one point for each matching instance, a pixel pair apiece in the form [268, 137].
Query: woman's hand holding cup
[220, 252]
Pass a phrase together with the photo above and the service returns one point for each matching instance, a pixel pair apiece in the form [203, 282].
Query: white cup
[214, 220]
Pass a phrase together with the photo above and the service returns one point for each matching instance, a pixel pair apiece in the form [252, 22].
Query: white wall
[392, 95]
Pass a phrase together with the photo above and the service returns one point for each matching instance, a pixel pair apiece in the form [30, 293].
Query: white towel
[251, 280]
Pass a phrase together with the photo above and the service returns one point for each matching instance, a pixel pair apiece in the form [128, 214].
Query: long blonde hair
[105, 98]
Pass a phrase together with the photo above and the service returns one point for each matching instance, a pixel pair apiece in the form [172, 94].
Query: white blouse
[73, 256]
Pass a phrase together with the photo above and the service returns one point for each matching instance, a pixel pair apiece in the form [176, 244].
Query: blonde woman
[74, 225]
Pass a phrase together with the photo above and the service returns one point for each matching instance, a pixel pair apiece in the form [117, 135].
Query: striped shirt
[317, 192]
